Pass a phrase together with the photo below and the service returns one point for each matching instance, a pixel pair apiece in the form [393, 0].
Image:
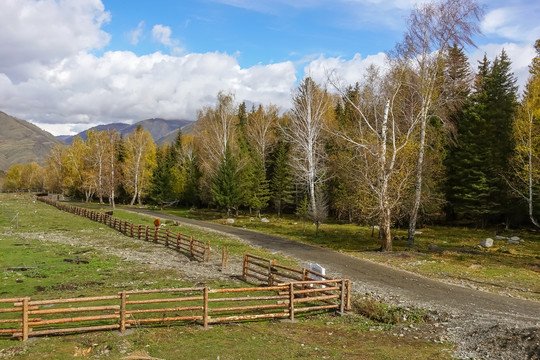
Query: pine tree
[225, 190]
[281, 180]
[480, 162]
[160, 185]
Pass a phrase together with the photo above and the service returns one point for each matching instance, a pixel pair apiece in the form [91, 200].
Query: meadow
[46, 253]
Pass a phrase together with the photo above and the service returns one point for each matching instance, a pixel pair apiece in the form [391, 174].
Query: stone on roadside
[230, 221]
[499, 237]
[515, 238]
[513, 242]
[265, 220]
[487, 243]
[433, 247]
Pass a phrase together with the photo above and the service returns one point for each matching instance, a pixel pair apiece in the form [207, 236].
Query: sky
[67, 65]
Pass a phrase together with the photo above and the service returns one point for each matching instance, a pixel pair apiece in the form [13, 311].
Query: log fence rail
[23, 317]
[199, 250]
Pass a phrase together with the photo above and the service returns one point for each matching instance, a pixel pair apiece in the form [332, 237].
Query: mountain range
[161, 130]
[22, 142]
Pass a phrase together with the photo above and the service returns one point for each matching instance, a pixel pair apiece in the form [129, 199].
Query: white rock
[230, 221]
[265, 220]
[487, 243]
[515, 238]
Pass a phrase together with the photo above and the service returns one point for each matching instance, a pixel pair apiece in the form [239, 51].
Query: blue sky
[67, 65]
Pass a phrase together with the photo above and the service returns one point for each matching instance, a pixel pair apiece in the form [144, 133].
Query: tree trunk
[385, 232]
[418, 185]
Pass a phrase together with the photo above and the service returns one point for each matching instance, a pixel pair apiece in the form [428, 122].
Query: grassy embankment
[94, 270]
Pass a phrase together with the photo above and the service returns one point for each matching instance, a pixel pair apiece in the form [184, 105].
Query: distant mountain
[22, 142]
[169, 138]
[158, 128]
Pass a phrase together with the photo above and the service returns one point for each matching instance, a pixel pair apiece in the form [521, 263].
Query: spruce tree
[477, 167]
[226, 192]
[281, 180]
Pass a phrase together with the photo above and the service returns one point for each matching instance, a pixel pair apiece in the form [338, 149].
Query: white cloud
[520, 55]
[348, 71]
[135, 34]
[516, 23]
[36, 33]
[162, 34]
[121, 86]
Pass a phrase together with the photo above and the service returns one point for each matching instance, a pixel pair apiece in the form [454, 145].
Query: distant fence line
[199, 250]
[172, 306]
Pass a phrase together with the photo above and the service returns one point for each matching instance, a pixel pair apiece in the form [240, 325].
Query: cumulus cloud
[520, 55]
[34, 33]
[121, 86]
[348, 71]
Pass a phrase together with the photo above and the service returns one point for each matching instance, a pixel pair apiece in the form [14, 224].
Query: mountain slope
[158, 128]
[22, 142]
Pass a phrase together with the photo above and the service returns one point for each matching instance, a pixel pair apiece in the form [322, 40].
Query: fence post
[131, 230]
[271, 263]
[123, 312]
[156, 234]
[208, 247]
[342, 298]
[348, 303]
[244, 267]
[191, 245]
[178, 241]
[205, 307]
[291, 301]
[146, 236]
[167, 238]
[25, 331]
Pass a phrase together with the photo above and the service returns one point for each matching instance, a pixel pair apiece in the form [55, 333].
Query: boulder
[487, 243]
[513, 242]
[514, 238]
[230, 221]
[265, 220]
[433, 247]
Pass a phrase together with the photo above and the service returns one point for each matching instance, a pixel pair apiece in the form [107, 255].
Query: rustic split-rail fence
[199, 250]
[286, 292]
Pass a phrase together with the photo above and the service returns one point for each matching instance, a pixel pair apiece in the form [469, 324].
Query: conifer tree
[225, 190]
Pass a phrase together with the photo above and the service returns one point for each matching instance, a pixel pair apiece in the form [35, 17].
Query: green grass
[504, 268]
[97, 272]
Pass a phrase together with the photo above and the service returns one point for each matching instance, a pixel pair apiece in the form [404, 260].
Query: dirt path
[483, 324]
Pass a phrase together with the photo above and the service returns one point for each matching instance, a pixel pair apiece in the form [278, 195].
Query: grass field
[83, 264]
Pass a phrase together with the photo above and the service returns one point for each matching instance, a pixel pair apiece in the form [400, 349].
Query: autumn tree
[525, 177]
[139, 162]
[312, 108]
[378, 138]
[216, 131]
[98, 149]
[432, 29]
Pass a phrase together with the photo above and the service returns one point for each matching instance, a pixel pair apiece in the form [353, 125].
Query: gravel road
[482, 324]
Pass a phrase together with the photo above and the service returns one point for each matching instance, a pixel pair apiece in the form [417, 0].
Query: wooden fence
[271, 273]
[199, 250]
[23, 317]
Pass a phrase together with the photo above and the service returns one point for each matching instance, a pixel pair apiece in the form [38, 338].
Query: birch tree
[261, 127]
[98, 148]
[216, 131]
[379, 140]
[140, 158]
[311, 109]
[526, 130]
[432, 29]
